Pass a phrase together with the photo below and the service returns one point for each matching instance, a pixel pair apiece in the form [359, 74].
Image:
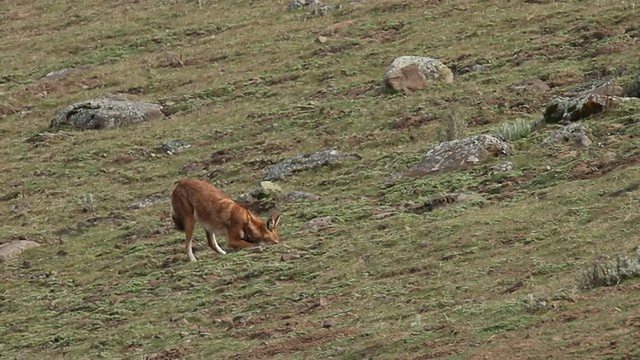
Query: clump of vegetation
[87, 202]
[535, 305]
[518, 129]
[453, 126]
[610, 272]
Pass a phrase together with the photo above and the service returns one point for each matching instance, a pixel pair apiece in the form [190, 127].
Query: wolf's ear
[273, 222]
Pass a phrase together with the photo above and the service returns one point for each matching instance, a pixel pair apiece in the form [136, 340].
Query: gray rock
[149, 201]
[476, 68]
[172, 147]
[14, 248]
[306, 162]
[106, 113]
[46, 137]
[456, 154]
[58, 74]
[268, 187]
[264, 198]
[299, 4]
[322, 10]
[301, 195]
[564, 109]
[503, 166]
[575, 133]
[432, 70]
[318, 223]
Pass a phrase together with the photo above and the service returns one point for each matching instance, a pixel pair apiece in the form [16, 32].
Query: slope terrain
[540, 262]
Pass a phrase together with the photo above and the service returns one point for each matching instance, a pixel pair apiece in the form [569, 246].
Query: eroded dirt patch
[293, 345]
[170, 354]
[595, 168]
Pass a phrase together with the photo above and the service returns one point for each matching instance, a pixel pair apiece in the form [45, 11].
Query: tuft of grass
[517, 129]
[87, 203]
[609, 272]
[535, 304]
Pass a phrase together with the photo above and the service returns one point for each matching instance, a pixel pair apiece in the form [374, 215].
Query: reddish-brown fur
[197, 201]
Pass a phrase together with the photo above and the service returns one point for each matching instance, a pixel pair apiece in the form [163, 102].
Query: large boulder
[306, 162]
[457, 154]
[14, 248]
[411, 73]
[564, 109]
[106, 113]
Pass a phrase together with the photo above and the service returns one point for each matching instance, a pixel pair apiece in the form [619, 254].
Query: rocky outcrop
[106, 113]
[306, 162]
[456, 154]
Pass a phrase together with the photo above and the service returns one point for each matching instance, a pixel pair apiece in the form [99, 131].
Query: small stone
[289, 257]
[318, 223]
[301, 195]
[322, 39]
[503, 166]
[268, 187]
[172, 147]
[327, 323]
[575, 133]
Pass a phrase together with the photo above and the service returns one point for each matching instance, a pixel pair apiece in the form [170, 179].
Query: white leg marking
[215, 244]
[190, 251]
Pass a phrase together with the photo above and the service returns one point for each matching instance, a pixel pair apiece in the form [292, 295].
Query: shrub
[609, 272]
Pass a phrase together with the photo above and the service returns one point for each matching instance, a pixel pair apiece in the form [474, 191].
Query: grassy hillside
[248, 84]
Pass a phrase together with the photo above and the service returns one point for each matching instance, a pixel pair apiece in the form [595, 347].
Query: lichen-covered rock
[306, 162]
[14, 248]
[456, 154]
[299, 4]
[106, 113]
[409, 73]
[264, 198]
[576, 134]
[503, 166]
[55, 75]
[149, 201]
[172, 147]
[301, 195]
[318, 223]
[573, 109]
